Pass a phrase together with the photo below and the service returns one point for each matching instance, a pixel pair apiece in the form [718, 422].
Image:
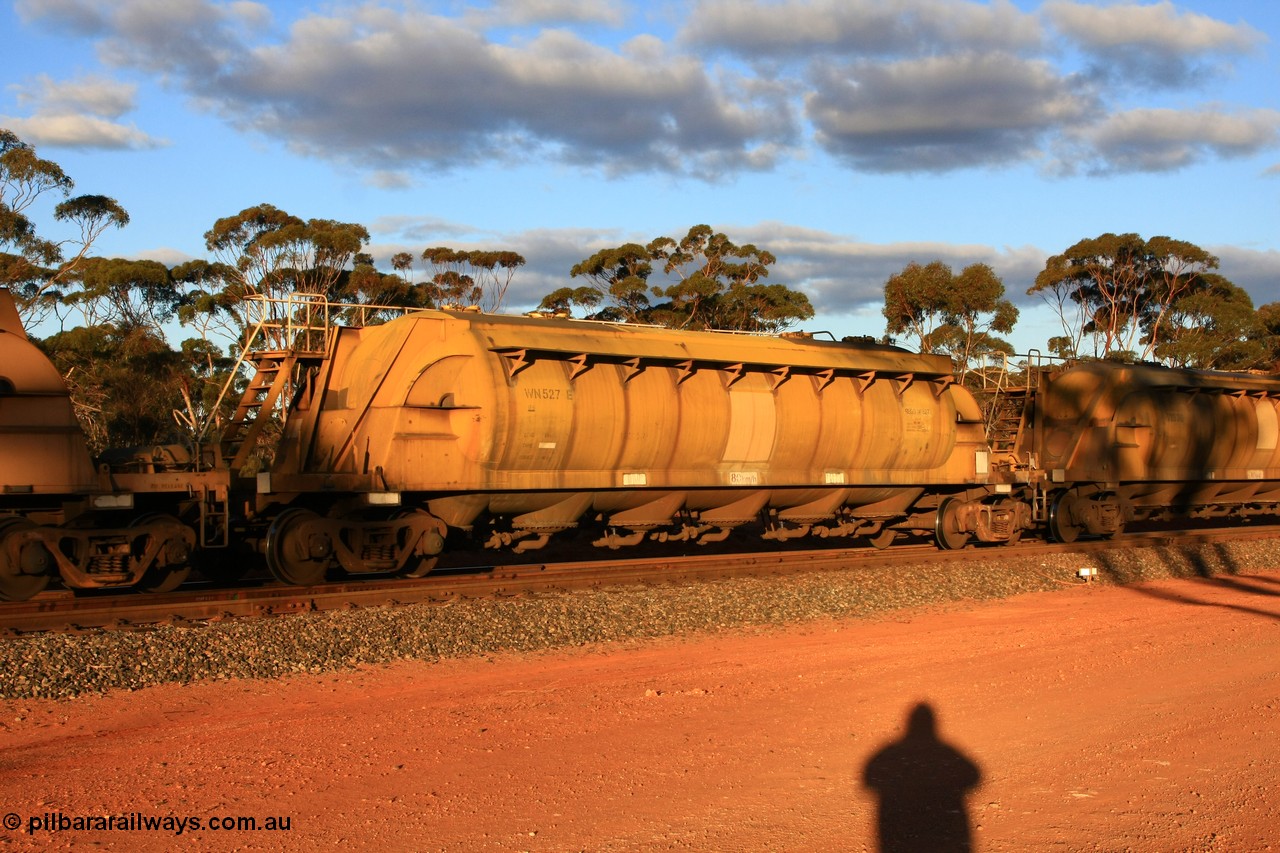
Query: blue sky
[848, 137]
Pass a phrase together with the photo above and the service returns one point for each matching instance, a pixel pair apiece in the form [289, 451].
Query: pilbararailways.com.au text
[139, 822]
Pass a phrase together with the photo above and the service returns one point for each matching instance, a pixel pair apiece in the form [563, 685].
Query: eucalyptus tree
[1123, 289]
[125, 382]
[719, 285]
[372, 292]
[402, 263]
[36, 267]
[713, 284]
[275, 253]
[124, 292]
[915, 301]
[268, 252]
[1268, 332]
[472, 276]
[618, 288]
[451, 281]
[1213, 328]
[958, 314]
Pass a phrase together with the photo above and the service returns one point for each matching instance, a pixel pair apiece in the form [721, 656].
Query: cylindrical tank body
[1163, 436]
[44, 451]
[532, 409]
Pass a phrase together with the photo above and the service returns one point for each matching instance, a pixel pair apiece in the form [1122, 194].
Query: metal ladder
[1010, 399]
[296, 331]
[287, 341]
[1006, 419]
[277, 375]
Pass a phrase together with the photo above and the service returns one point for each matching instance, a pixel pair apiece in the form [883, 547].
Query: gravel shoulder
[1095, 717]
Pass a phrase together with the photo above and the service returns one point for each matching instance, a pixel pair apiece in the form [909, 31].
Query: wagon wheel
[33, 570]
[946, 526]
[422, 566]
[419, 569]
[296, 555]
[163, 578]
[1061, 527]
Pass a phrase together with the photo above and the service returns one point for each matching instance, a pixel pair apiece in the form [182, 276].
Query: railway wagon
[503, 431]
[516, 428]
[59, 514]
[1119, 442]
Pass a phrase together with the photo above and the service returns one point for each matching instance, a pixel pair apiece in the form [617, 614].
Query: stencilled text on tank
[916, 419]
[548, 394]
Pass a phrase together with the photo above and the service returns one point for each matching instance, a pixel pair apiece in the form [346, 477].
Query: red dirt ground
[1144, 718]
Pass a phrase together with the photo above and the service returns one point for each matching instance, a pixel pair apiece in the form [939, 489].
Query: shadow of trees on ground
[1213, 564]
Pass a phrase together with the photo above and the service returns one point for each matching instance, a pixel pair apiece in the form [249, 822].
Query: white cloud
[1154, 26]
[1158, 140]
[192, 38]
[392, 88]
[757, 29]
[924, 86]
[1258, 272]
[1151, 43]
[390, 179]
[77, 131]
[520, 12]
[430, 91]
[78, 113]
[166, 255]
[96, 95]
[940, 113]
[419, 228]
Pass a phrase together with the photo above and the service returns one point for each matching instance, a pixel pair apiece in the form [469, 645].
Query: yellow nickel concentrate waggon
[444, 430]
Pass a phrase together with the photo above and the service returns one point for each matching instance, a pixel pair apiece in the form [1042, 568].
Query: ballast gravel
[64, 665]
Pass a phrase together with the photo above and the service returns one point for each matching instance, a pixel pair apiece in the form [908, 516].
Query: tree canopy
[717, 285]
[1267, 331]
[470, 276]
[126, 383]
[1119, 290]
[1214, 327]
[273, 253]
[619, 288]
[950, 313]
[34, 266]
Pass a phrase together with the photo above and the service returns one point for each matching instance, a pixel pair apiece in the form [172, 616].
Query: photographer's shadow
[922, 783]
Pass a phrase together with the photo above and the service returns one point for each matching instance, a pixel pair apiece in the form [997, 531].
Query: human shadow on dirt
[922, 782]
[1212, 564]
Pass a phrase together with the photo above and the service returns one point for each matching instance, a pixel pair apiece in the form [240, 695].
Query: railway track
[196, 604]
